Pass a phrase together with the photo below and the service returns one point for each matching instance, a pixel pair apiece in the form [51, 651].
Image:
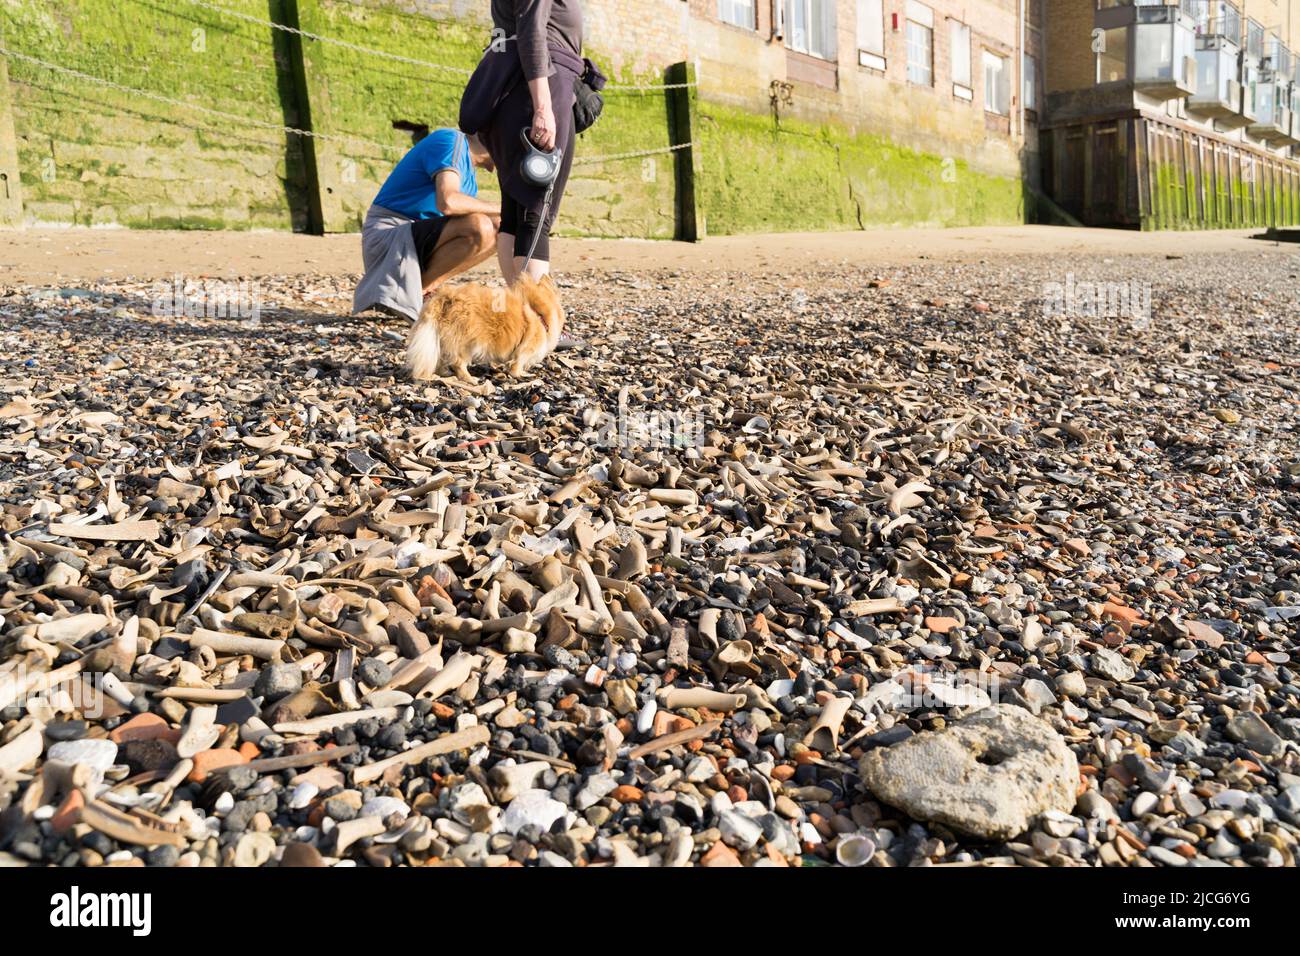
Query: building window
[1031, 82]
[997, 84]
[740, 13]
[961, 81]
[920, 44]
[871, 34]
[1112, 55]
[810, 27]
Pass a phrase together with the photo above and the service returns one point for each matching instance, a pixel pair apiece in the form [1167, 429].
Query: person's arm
[453, 202]
[543, 130]
[531, 18]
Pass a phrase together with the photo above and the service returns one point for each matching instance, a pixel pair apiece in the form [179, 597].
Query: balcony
[1218, 85]
[1274, 122]
[1157, 40]
[1273, 111]
[1219, 18]
[1225, 75]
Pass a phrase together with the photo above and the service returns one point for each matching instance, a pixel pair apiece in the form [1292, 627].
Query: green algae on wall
[358, 94]
[91, 155]
[755, 176]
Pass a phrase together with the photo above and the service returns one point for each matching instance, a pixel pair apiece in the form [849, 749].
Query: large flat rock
[987, 776]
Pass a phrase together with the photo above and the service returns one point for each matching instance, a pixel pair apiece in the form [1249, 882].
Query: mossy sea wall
[759, 174]
[1236, 203]
[94, 155]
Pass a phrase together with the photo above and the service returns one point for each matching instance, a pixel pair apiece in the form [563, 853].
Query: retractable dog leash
[541, 169]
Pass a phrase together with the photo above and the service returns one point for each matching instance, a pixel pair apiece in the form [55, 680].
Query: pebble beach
[983, 563]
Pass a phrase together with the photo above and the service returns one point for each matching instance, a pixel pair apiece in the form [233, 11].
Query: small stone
[254, 849]
[942, 625]
[621, 696]
[277, 681]
[738, 830]
[519, 642]
[142, 727]
[301, 855]
[1148, 775]
[1071, 684]
[1249, 729]
[1143, 804]
[533, 808]
[1112, 666]
[65, 730]
[207, 761]
[510, 780]
[303, 795]
[143, 756]
[594, 789]
[98, 755]
[374, 673]
[1037, 694]
[384, 807]
[509, 718]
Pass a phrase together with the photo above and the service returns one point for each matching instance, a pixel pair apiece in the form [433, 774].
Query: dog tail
[424, 351]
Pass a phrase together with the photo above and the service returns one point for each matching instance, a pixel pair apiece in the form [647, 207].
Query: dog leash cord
[537, 232]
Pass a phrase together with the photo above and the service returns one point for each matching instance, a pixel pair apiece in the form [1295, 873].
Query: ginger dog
[473, 324]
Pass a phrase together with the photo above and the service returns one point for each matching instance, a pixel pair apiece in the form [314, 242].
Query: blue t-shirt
[410, 188]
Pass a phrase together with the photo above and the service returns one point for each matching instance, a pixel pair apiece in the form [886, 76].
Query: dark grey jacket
[540, 24]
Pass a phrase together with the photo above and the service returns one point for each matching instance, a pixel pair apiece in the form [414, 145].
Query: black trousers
[514, 113]
[522, 223]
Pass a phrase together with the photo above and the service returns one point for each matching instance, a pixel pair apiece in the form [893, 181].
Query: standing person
[427, 224]
[527, 80]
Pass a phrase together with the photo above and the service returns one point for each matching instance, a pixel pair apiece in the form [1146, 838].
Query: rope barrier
[158, 97]
[357, 48]
[262, 124]
[371, 51]
[583, 161]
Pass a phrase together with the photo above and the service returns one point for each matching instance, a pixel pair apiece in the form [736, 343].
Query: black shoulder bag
[587, 101]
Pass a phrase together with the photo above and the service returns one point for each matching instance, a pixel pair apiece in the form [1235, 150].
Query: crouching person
[426, 225]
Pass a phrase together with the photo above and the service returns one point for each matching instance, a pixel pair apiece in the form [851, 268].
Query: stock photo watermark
[1073, 299]
[77, 908]
[27, 690]
[628, 428]
[927, 688]
[209, 299]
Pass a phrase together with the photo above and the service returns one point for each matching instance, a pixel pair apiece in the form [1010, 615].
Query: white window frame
[871, 34]
[922, 18]
[997, 94]
[959, 37]
[734, 13]
[807, 33]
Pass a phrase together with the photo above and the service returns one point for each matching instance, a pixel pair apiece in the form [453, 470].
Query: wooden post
[292, 45]
[682, 103]
[11, 197]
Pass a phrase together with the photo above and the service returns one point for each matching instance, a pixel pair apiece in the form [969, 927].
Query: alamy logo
[76, 909]
[1099, 300]
[210, 299]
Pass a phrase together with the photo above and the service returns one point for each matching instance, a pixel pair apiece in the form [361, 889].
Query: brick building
[940, 76]
[1173, 114]
[906, 111]
[805, 114]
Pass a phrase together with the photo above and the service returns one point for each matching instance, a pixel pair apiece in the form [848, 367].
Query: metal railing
[1255, 39]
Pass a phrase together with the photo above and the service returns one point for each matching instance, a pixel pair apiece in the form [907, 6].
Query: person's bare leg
[505, 257]
[537, 268]
[465, 242]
